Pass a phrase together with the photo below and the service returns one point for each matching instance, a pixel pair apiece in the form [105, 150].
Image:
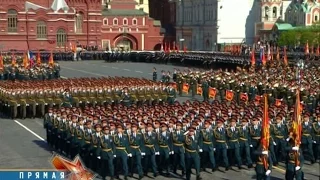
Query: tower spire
[60, 4]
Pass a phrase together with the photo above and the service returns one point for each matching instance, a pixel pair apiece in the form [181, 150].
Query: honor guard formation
[136, 126]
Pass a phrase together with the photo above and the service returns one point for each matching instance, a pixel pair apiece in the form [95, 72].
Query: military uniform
[293, 165]
[178, 149]
[206, 142]
[151, 150]
[306, 139]
[205, 90]
[245, 141]
[221, 143]
[165, 142]
[171, 95]
[316, 129]
[137, 150]
[279, 133]
[106, 153]
[192, 154]
[263, 173]
[233, 136]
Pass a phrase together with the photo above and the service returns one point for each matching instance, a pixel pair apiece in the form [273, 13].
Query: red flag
[178, 49]
[184, 48]
[1, 61]
[253, 58]
[13, 61]
[264, 61]
[317, 51]
[51, 62]
[285, 58]
[297, 127]
[38, 59]
[265, 130]
[306, 49]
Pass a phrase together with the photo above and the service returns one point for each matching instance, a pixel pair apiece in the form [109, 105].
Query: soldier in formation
[195, 134]
[21, 98]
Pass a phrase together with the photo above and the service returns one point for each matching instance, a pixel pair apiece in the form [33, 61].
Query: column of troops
[114, 139]
[32, 98]
[245, 86]
[38, 72]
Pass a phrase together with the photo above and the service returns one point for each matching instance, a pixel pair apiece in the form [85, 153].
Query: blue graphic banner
[33, 175]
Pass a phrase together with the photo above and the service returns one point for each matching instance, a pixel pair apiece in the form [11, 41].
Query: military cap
[106, 128]
[221, 120]
[134, 125]
[233, 120]
[164, 125]
[88, 122]
[149, 125]
[157, 122]
[97, 126]
[278, 117]
[306, 115]
[119, 125]
[112, 123]
[64, 113]
[244, 120]
[255, 119]
[207, 122]
[178, 123]
[318, 115]
[191, 129]
[103, 121]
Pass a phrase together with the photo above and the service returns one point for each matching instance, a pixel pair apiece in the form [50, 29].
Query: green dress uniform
[192, 156]
[205, 90]
[306, 139]
[221, 145]
[150, 143]
[206, 142]
[67, 100]
[79, 141]
[171, 95]
[245, 142]
[292, 172]
[122, 147]
[95, 151]
[178, 151]
[107, 156]
[255, 135]
[40, 100]
[180, 84]
[48, 123]
[260, 168]
[126, 99]
[279, 133]
[316, 129]
[193, 86]
[61, 135]
[85, 151]
[233, 135]
[72, 140]
[252, 92]
[137, 150]
[154, 76]
[164, 141]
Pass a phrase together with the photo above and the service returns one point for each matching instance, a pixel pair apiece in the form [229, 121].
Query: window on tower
[266, 13]
[274, 12]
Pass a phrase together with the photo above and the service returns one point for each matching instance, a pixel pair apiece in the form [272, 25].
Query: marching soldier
[279, 133]
[233, 141]
[205, 90]
[79, 138]
[263, 173]
[245, 141]
[72, 137]
[164, 141]
[192, 154]
[126, 98]
[121, 143]
[255, 134]
[171, 95]
[137, 150]
[48, 123]
[221, 142]
[106, 154]
[154, 74]
[307, 136]
[95, 149]
[151, 150]
[87, 135]
[193, 86]
[293, 164]
[316, 128]
[62, 133]
[207, 147]
[179, 84]
[178, 149]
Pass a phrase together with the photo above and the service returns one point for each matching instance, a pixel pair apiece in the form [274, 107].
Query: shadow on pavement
[42, 144]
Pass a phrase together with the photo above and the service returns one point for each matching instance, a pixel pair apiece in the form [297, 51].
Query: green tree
[288, 38]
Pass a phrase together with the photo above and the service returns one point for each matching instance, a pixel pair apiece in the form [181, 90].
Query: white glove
[157, 153]
[274, 143]
[114, 155]
[99, 157]
[172, 152]
[314, 142]
[268, 172]
[143, 154]
[251, 145]
[298, 168]
[200, 150]
[214, 149]
[265, 152]
[288, 139]
[129, 155]
[295, 148]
